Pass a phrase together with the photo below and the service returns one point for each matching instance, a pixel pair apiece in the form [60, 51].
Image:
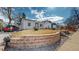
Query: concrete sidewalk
[72, 44]
[2, 35]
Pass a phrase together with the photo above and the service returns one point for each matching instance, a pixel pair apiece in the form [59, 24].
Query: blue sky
[49, 11]
[57, 13]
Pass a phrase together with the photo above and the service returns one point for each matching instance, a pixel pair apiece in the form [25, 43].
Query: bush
[36, 29]
[53, 28]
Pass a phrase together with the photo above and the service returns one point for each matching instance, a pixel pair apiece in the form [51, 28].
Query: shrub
[36, 29]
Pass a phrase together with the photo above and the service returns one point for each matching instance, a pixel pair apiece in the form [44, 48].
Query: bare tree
[75, 15]
[11, 14]
[73, 20]
[7, 11]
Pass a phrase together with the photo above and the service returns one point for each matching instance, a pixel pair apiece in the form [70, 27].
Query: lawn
[33, 32]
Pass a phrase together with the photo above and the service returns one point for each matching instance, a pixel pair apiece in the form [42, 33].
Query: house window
[29, 24]
[40, 25]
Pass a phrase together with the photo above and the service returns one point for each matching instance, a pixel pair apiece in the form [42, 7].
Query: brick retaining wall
[33, 41]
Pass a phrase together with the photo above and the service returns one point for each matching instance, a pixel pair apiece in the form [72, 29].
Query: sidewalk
[72, 44]
[2, 35]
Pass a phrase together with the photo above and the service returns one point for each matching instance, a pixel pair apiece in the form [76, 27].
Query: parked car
[10, 28]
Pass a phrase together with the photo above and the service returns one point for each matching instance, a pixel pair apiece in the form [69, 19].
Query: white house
[27, 24]
[47, 24]
[30, 24]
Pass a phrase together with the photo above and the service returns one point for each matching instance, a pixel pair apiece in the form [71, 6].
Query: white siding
[24, 24]
[42, 25]
[47, 25]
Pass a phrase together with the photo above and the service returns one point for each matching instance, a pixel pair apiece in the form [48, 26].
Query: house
[43, 24]
[27, 24]
[47, 24]
[54, 26]
[31, 24]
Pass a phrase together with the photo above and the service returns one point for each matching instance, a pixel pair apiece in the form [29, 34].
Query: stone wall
[34, 41]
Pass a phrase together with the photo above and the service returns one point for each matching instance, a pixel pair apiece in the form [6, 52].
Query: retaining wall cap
[39, 34]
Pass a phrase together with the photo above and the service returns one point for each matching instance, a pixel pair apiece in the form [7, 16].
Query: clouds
[52, 19]
[55, 18]
[38, 14]
[13, 9]
[42, 13]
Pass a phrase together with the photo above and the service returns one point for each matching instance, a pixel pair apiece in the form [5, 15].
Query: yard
[33, 32]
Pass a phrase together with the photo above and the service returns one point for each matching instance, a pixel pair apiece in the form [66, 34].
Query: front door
[37, 25]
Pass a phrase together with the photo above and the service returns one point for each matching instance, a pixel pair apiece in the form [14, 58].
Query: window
[29, 24]
[40, 25]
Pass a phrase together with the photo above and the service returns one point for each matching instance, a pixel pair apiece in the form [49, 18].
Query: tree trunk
[9, 14]
[9, 19]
